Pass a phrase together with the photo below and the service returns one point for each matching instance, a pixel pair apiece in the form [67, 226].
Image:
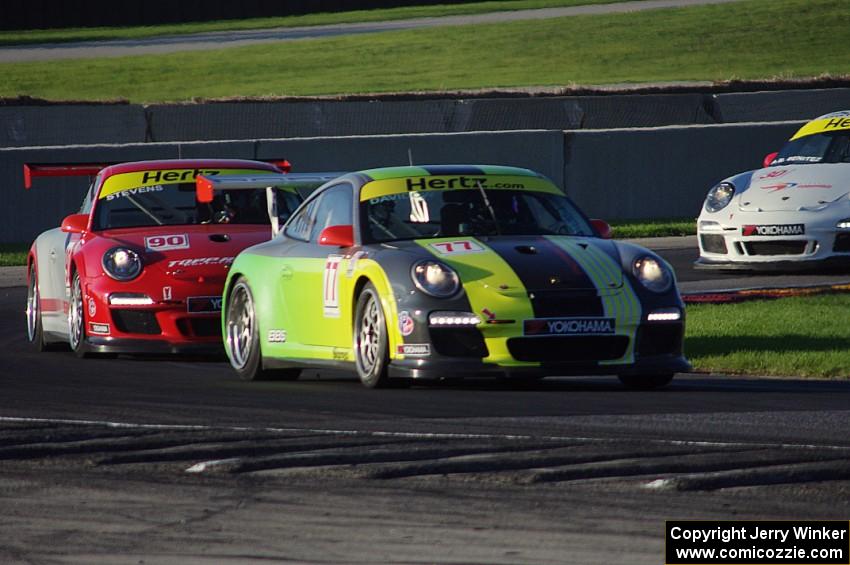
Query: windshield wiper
[144, 210]
[489, 207]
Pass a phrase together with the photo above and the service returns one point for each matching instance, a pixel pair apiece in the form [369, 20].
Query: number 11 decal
[330, 286]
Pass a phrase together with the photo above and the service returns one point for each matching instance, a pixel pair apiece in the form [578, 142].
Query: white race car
[794, 212]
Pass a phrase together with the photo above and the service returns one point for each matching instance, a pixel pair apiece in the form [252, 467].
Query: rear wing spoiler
[205, 187]
[32, 170]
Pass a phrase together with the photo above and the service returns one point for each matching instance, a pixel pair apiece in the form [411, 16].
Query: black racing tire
[371, 356]
[646, 382]
[77, 319]
[35, 330]
[242, 338]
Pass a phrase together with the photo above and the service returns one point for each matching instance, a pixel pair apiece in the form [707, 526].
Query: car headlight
[652, 274]
[122, 264]
[435, 278]
[719, 197]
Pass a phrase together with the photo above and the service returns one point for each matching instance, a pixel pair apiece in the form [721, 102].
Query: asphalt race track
[134, 460]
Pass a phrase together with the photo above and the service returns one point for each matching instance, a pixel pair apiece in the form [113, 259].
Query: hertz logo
[174, 176]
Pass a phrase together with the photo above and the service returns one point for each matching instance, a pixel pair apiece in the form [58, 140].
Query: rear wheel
[645, 382]
[35, 331]
[370, 339]
[242, 338]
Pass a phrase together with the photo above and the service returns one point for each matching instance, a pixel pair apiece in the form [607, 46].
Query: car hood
[796, 187]
[536, 263]
[190, 252]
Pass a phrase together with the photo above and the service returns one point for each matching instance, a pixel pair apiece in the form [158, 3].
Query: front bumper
[723, 245]
[168, 324]
[654, 348]
[834, 263]
[448, 369]
[114, 345]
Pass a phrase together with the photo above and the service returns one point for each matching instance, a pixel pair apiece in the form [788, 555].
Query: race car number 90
[165, 242]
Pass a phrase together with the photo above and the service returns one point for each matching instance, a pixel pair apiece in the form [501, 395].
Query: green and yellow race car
[448, 271]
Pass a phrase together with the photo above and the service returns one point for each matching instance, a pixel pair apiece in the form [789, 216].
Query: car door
[312, 274]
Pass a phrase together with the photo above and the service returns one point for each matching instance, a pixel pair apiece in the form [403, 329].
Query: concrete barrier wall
[661, 172]
[542, 151]
[26, 213]
[774, 106]
[26, 126]
[252, 120]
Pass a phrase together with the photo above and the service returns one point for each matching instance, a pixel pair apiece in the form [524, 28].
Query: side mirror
[768, 159]
[337, 236]
[602, 228]
[75, 223]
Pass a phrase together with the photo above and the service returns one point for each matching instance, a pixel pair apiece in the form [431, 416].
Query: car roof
[384, 173]
[137, 166]
[834, 121]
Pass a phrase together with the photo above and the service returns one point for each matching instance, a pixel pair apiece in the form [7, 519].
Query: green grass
[652, 228]
[745, 40]
[324, 18]
[13, 254]
[802, 336]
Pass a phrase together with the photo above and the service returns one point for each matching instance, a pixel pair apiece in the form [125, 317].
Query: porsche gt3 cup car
[793, 213]
[141, 267]
[450, 271]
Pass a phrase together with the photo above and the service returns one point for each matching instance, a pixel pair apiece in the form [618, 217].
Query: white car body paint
[50, 258]
[760, 226]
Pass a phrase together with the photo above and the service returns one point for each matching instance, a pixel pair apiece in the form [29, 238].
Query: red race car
[140, 268]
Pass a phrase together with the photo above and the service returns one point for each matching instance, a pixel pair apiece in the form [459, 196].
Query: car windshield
[176, 204]
[469, 212]
[832, 147]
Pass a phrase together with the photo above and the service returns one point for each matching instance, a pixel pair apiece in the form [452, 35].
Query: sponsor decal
[775, 174]
[277, 336]
[203, 304]
[425, 183]
[442, 183]
[92, 307]
[837, 123]
[405, 323]
[831, 122]
[166, 242]
[569, 326]
[784, 185]
[95, 328]
[166, 293]
[414, 349]
[777, 229]
[456, 247]
[134, 191]
[199, 261]
[330, 286]
[340, 354]
[187, 175]
[138, 182]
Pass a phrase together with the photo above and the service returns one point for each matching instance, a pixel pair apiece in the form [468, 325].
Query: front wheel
[370, 339]
[76, 319]
[645, 382]
[242, 338]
